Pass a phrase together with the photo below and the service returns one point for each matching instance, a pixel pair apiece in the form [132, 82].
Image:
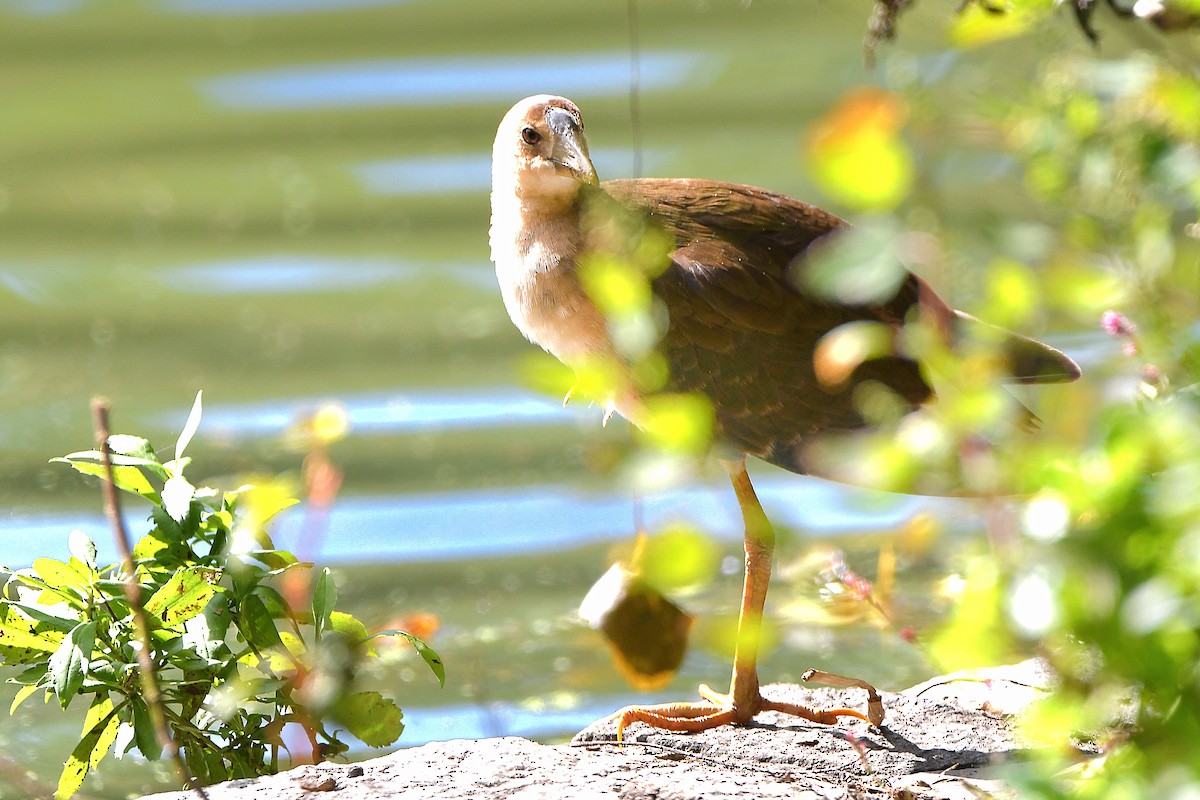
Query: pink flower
[1117, 324]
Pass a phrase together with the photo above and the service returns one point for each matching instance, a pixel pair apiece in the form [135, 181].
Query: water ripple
[444, 81]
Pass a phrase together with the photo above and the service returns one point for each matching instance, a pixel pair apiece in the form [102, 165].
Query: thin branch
[133, 593]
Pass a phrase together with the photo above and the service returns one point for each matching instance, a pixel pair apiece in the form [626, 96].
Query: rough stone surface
[937, 742]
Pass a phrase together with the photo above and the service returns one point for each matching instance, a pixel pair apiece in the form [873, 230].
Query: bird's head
[540, 149]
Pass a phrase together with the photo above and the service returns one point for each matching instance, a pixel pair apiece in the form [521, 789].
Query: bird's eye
[530, 136]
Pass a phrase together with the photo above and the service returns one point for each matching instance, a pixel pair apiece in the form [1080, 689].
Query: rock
[937, 741]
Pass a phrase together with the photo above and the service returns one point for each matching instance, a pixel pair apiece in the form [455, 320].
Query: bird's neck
[533, 232]
[535, 241]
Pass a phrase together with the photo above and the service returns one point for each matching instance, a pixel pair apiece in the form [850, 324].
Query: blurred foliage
[1097, 566]
[236, 661]
[1092, 554]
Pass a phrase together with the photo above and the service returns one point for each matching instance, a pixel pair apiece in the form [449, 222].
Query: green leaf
[861, 266]
[69, 663]
[177, 496]
[23, 640]
[256, 623]
[144, 735]
[856, 153]
[183, 596]
[127, 478]
[347, 625]
[324, 599]
[275, 560]
[427, 653]
[21, 696]
[100, 730]
[205, 633]
[370, 716]
[189, 427]
[82, 547]
[63, 576]
[64, 622]
[979, 23]
[122, 444]
[276, 604]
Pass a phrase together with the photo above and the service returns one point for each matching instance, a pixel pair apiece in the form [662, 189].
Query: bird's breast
[553, 311]
[535, 266]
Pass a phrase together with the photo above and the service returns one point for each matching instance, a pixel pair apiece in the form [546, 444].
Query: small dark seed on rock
[354, 772]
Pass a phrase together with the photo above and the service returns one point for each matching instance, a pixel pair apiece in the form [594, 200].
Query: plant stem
[133, 593]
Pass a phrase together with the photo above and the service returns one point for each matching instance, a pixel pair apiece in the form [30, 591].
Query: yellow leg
[744, 699]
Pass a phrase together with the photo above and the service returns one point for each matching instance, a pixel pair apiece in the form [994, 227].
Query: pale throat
[535, 239]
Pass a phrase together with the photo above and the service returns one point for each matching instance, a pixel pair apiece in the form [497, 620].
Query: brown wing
[740, 331]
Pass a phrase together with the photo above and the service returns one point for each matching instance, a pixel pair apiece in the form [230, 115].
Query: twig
[874, 701]
[965, 679]
[133, 593]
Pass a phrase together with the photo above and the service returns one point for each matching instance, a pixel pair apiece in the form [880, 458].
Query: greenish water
[282, 202]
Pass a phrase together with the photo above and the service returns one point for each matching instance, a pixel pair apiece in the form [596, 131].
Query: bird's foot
[718, 709]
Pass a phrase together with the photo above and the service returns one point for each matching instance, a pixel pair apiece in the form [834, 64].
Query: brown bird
[739, 330]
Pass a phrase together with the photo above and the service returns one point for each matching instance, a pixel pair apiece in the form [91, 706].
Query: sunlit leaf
[63, 575]
[263, 498]
[348, 625]
[82, 547]
[371, 717]
[679, 423]
[846, 347]
[599, 380]
[22, 640]
[127, 478]
[1012, 294]
[1083, 290]
[855, 152]
[616, 286]
[256, 623]
[330, 424]
[24, 693]
[861, 266]
[976, 634]
[190, 427]
[183, 596]
[177, 496]
[544, 373]
[69, 663]
[1176, 99]
[100, 731]
[122, 444]
[324, 600]
[677, 557]
[982, 22]
[427, 653]
[721, 635]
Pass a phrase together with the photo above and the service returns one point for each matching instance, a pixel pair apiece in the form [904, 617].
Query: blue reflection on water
[390, 412]
[548, 517]
[485, 720]
[44, 8]
[285, 273]
[281, 274]
[443, 81]
[460, 525]
[469, 172]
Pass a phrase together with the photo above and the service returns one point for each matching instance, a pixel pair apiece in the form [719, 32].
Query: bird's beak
[570, 146]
